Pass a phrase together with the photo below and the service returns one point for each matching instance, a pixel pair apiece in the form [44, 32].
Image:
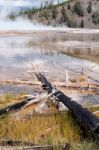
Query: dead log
[23, 104]
[15, 107]
[88, 119]
[31, 146]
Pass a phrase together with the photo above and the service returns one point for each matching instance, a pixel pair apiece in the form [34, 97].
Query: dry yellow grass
[9, 99]
[54, 129]
[57, 128]
[97, 114]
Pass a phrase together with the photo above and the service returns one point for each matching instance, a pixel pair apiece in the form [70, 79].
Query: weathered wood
[15, 143]
[19, 82]
[7, 144]
[49, 147]
[23, 104]
[83, 115]
[60, 84]
[15, 107]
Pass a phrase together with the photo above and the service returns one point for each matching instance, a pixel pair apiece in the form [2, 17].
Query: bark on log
[88, 119]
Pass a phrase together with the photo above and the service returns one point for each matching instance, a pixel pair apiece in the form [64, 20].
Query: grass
[93, 109]
[46, 130]
[85, 146]
[54, 129]
[57, 128]
[8, 99]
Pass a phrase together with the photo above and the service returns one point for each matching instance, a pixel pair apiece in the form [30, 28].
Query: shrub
[71, 24]
[66, 19]
[45, 14]
[12, 17]
[69, 6]
[95, 17]
[54, 12]
[64, 15]
[29, 15]
[82, 24]
[78, 9]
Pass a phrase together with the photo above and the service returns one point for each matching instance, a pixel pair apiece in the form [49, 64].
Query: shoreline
[50, 30]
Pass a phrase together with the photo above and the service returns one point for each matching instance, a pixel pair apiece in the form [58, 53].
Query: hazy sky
[25, 3]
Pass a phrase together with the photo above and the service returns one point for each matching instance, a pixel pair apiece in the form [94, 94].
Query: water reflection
[16, 52]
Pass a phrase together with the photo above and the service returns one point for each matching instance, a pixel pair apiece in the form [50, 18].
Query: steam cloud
[7, 6]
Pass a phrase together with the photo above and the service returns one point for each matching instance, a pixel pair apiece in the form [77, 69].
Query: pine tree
[82, 24]
[89, 8]
[78, 9]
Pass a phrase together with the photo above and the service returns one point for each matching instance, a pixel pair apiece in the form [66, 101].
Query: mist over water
[8, 6]
[19, 24]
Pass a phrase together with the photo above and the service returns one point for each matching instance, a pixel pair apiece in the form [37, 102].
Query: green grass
[85, 146]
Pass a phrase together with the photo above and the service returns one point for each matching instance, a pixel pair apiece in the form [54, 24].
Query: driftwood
[88, 119]
[49, 147]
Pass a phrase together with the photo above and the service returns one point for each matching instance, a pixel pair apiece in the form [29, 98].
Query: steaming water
[17, 52]
[8, 6]
[27, 3]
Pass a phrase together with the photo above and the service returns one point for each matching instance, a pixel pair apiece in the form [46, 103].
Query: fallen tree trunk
[82, 114]
[15, 107]
[27, 145]
[23, 104]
